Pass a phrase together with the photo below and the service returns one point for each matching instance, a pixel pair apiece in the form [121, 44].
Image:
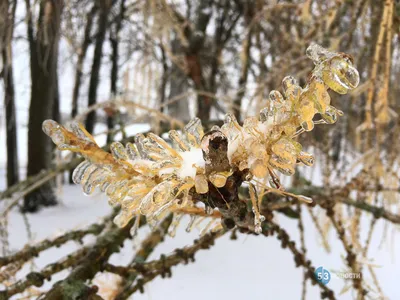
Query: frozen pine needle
[152, 177]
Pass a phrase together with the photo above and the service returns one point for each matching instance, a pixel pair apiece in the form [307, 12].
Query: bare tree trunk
[79, 66]
[178, 86]
[81, 58]
[164, 79]
[104, 6]
[114, 40]
[242, 84]
[43, 60]
[7, 28]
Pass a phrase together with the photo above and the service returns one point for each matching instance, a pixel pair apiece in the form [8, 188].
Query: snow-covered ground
[248, 268]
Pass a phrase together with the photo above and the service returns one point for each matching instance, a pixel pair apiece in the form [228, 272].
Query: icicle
[119, 151]
[174, 224]
[81, 132]
[340, 75]
[139, 141]
[77, 174]
[209, 210]
[306, 158]
[189, 227]
[207, 227]
[134, 229]
[178, 141]
[194, 132]
[132, 151]
[258, 218]
[123, 218]
[304, 199]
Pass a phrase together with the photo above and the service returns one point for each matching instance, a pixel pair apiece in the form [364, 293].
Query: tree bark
[43, 65]
[242, 84]
[81, 58]
[114, 40]
[79, 66]
[104, 6]
[178, 86]
[9, 94]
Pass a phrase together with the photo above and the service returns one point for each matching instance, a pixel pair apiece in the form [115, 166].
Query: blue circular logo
[322, 275]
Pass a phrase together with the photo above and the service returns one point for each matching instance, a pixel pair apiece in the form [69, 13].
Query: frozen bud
[291, 89]
[201, 184]
[132, 151]
[340, 75]
[230, 118]
[118, 151]
[194, 131]
[317, 53]
[306, 158]
[48, 126]
[320, 95]
[265, 114]
[231, 127]
[288, 83]
[56, 132]
[139, 141]
[306, 109]
[285, 169]
[259, 168]
[91, 178]
[330, 115]
[307, 125]
[178, 141]
[218, 179]
[285, 151]
[79, 130]
[276, 97]
[250, 125]
[77, 174]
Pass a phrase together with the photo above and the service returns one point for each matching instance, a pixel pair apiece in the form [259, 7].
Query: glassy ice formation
[152, 177]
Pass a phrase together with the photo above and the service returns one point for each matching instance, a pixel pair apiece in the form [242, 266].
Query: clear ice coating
[153, 177]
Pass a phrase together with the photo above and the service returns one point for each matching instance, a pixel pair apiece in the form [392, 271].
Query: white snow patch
[190, 160]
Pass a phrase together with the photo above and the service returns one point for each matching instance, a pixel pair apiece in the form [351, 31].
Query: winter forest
[199, 149]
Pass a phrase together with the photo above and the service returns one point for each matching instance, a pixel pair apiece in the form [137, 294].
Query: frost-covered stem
[351, 257]
[320, 197]
[320, 230]
[365, 251]
[147, 247]
[378, 212]
[37, 278]
[29, 252]
[299, 258]
[92, 263]
[375, 63]
[303, 249]
[163, 265]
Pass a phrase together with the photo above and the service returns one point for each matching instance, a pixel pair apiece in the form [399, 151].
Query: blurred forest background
[125, 66]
